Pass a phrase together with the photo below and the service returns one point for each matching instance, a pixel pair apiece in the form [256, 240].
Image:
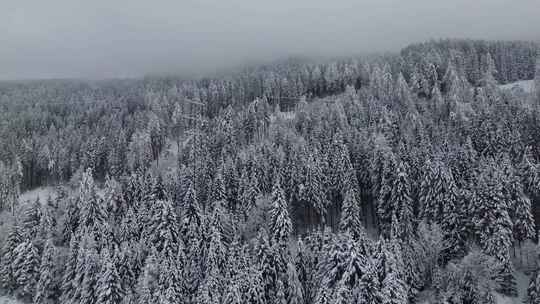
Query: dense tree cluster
[388, 182]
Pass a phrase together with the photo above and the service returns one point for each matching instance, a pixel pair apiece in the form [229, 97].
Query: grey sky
[126, 38]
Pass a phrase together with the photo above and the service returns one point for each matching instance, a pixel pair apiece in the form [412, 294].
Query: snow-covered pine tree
[26, 268]
[529, 173]
[268, 259]
[67, 286]
[147, 286]
[533, 290]
[255, 287]
[519, 204]
[129, 229]
[192, 216]
[233, 295]
[217, 190]
[453, 222]
[295, 289]
[91, 273]
[46, 287]
[163, 229]
[172, 281]
[432, 192]
[312, 192]
[507, 281]
[31, 219]
[280, 221]
[47, 222]
[248, 192]
[280, 297]
[342, 294]
[351, 217]
[323, 296]
[401, 198]
[369, 285]
[125, 261]
[7, 262]
[393, 288]
[491, 218]
[109, 289]
[92, 211]
[384, 185]
[212, 287]
[71, 219]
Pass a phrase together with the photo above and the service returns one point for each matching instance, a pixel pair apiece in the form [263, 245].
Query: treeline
[52, 130]
[512, 60]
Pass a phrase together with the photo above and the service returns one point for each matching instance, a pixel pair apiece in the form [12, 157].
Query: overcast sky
[129, 38]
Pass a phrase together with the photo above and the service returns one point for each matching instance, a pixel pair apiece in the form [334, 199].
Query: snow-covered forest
[408, 177]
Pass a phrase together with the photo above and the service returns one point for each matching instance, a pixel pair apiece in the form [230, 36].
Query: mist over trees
[382, 180]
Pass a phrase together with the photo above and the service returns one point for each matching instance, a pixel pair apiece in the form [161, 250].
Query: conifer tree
[401, 197]
[256, 290]
[71, 219]
[26, 268]
[109, 289]
[432, 192]
[370, 286]
[385, 205]
[67, 286]
[491, 218]
[31, 219]
[351, 216]
[533, 290]
[92, 212]
[90, 275]
[342, 294]
[280, 221]
[268, 263]
[233, 295]
[7, 262]
[248, 192]
[192, 217]
[295, 290]
[46, 284]
[393, 289]
[163, 229]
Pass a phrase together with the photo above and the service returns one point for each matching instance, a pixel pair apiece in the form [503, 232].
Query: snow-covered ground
[526, 85]
[8, 300]
[41, 192]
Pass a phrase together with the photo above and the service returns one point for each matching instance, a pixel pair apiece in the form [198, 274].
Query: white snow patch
[522, 282]
[283, 115]
[41, 192]
[526, 85]
[8, 300]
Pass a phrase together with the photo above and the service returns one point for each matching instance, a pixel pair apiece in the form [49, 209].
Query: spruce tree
[280, 221]
[192, 216]
[7, 262]
[31, 219]
[67, 286]
[533, 290]
[46, 288]
[295, 290]
[109, 289]
[90, 275]
[401, 198]
[26, 268]
[92, 212]
[351, 220]
[370, 286]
